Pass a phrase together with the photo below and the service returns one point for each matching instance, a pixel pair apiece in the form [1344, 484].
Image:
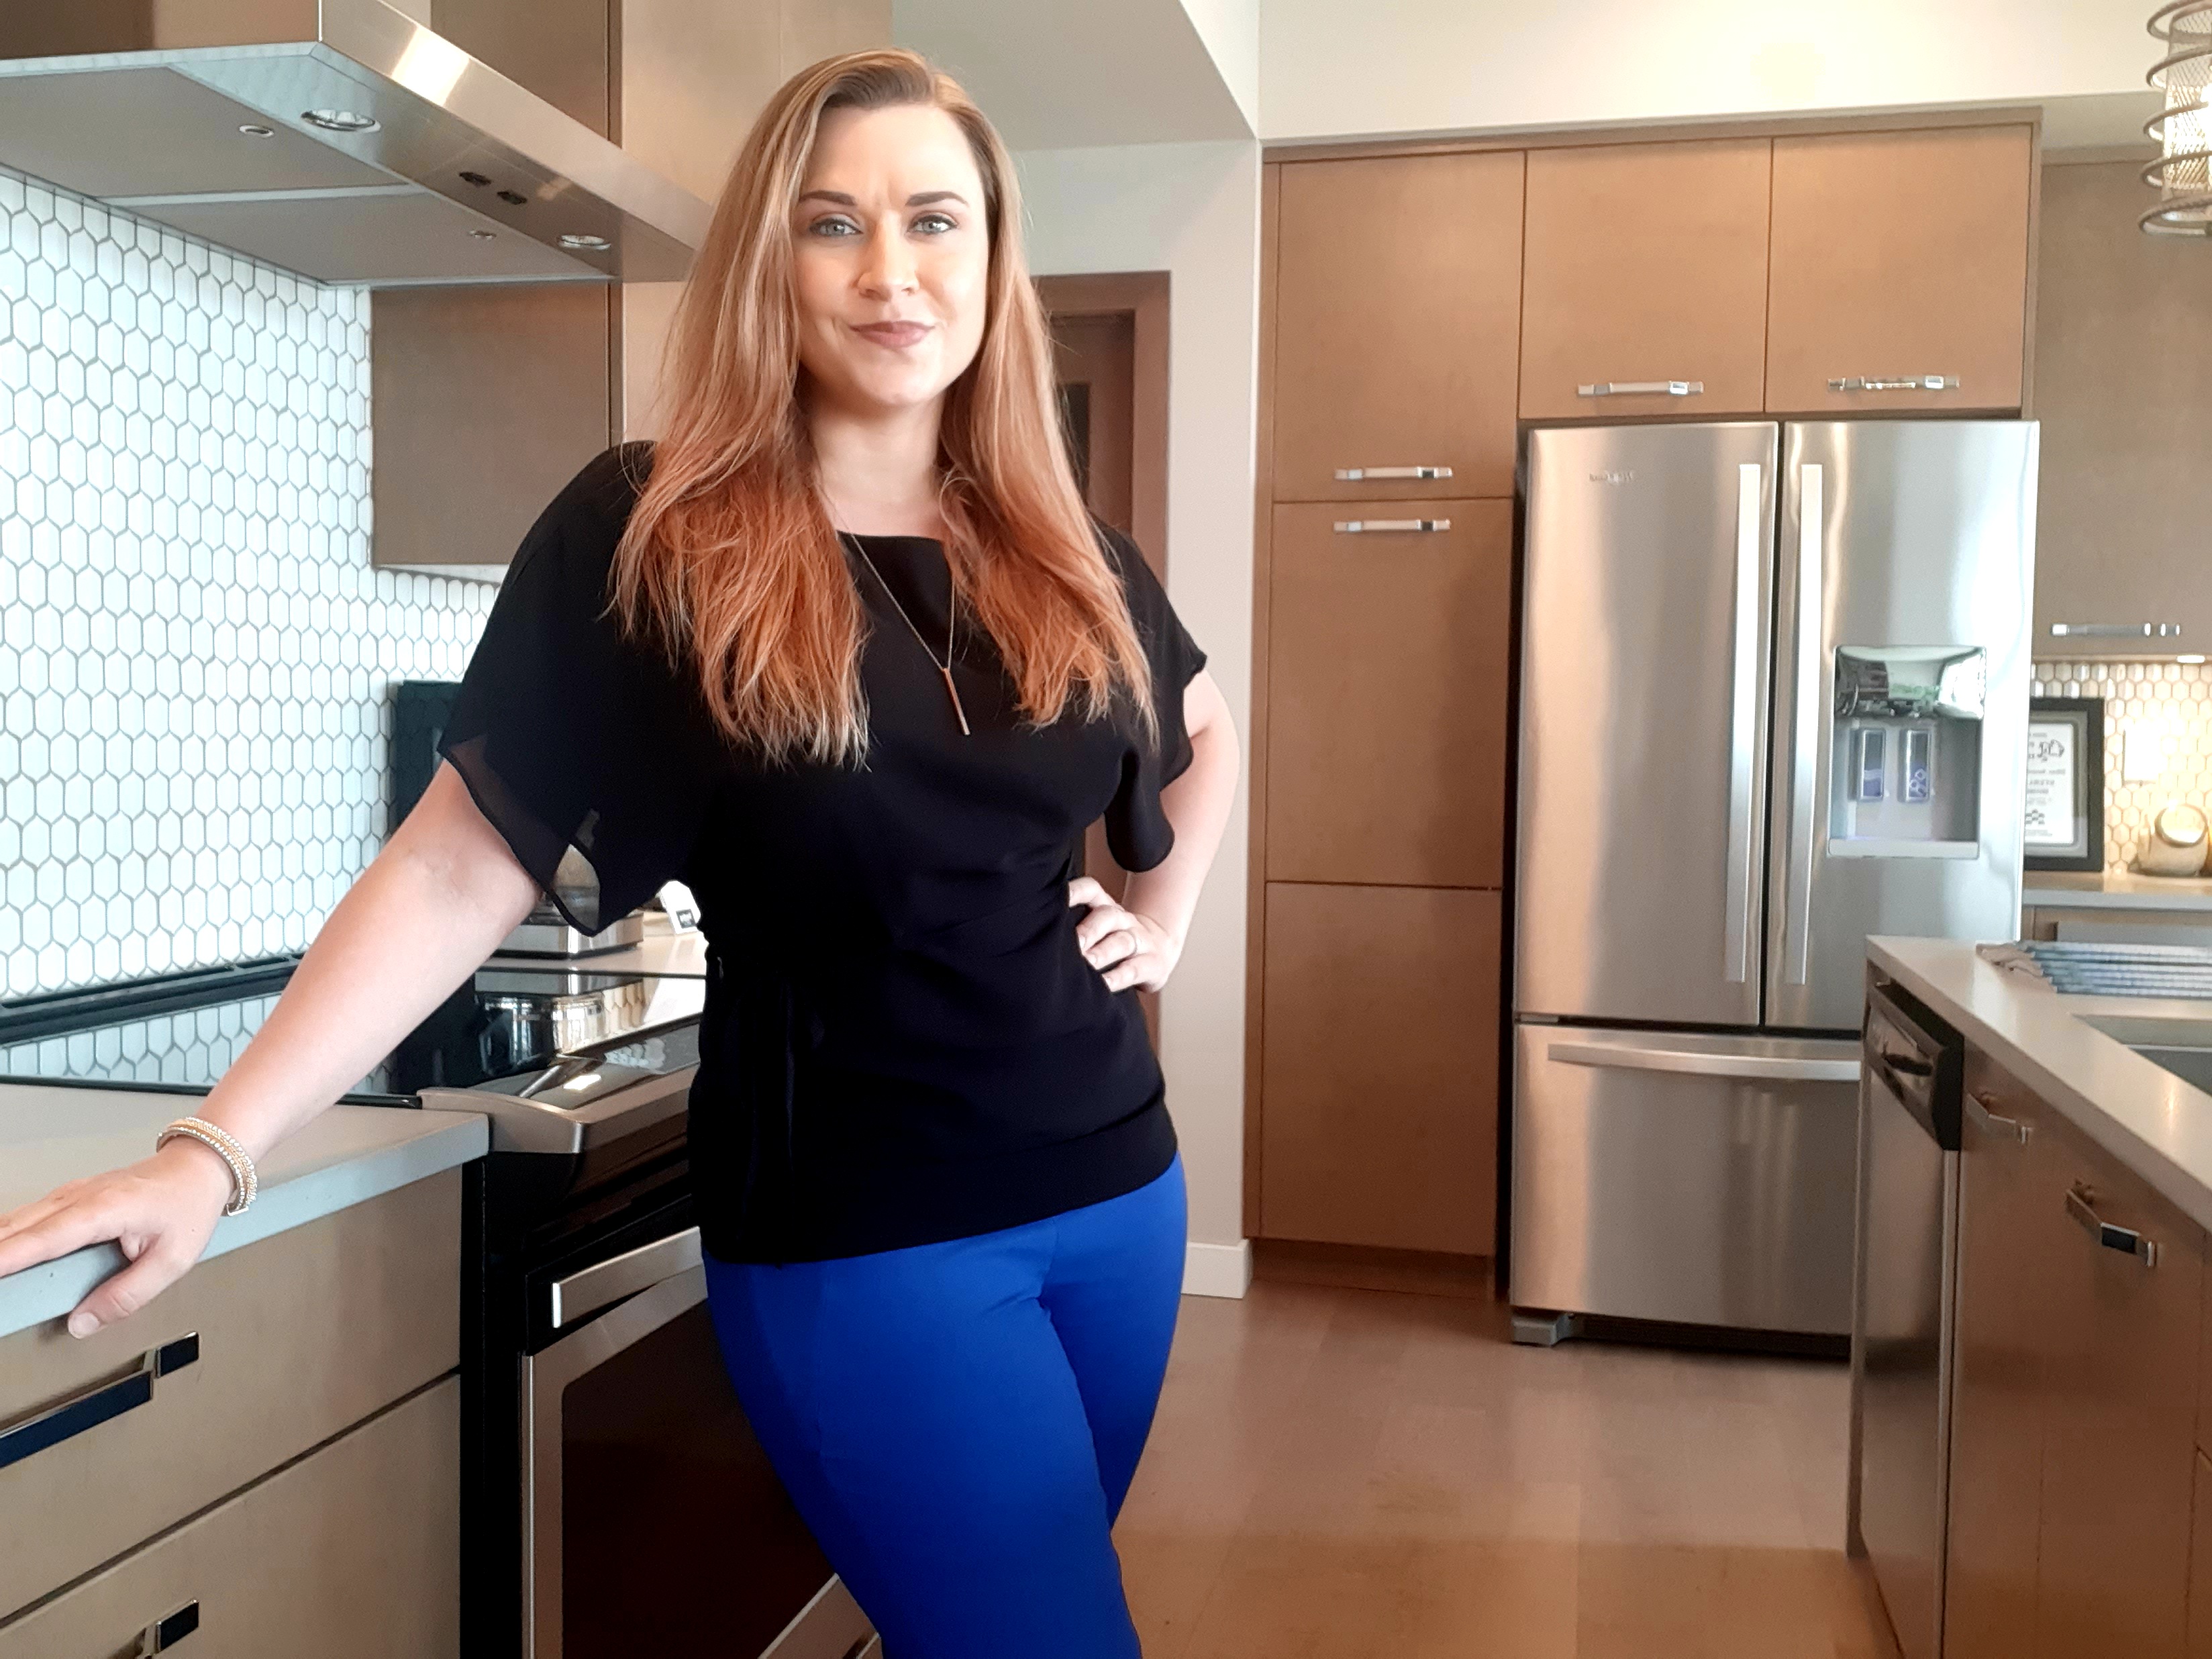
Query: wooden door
[2120, 1396]
[2123, 389]
[1996, 1421]
[1381, 1068]
[1896, 255]
[1388, 675]
[1645, 263]
[1398, 286]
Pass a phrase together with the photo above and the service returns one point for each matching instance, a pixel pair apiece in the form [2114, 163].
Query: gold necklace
[952, 609]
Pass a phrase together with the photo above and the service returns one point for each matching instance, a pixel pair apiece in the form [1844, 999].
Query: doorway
[1110, 337]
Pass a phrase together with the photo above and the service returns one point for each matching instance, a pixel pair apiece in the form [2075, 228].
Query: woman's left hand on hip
[1127, 948]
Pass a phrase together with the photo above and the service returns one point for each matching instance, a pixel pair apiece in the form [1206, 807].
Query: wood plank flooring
[1344, 1474]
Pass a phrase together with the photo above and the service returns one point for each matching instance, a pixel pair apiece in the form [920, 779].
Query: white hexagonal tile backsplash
[2166, 703]
[195, 655]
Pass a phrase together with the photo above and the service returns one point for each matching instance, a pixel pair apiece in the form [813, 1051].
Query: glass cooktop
[512, 1020]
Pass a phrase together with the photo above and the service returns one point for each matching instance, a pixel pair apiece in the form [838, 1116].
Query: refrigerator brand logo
[1613, 477]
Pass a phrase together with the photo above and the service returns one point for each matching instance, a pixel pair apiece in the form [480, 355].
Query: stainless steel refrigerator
[1773, 699]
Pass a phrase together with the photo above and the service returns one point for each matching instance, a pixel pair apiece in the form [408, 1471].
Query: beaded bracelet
[225, 1145]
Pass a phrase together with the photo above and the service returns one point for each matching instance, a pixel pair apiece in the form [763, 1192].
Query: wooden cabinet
[1895, 255]
[289, 1340]
[1381, 1066]
[2200, 1565]
[1997, 1421]
[1397, 287]
[1387, 673]
[353, 1552]
[1645, 263]
[2120, 1395]
[2123, 389]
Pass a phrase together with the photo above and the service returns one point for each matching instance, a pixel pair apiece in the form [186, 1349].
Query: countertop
[347, 1154]
[2095, 891]
[2144, 1115]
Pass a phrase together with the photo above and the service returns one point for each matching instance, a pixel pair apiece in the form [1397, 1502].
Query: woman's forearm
[1197, 806]
[434, 904]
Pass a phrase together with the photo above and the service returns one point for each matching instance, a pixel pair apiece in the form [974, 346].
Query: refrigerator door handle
[1743, 723]
[1767, 1068]
[1805, 735]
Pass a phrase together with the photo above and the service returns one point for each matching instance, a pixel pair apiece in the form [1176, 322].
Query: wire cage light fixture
[2182, 175]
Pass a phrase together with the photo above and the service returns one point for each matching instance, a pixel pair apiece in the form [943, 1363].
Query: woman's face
[890, 258]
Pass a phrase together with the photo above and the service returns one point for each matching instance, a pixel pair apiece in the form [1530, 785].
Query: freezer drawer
[1702, 1180]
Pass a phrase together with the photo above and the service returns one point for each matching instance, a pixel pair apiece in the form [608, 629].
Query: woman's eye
[833, 228]
[936, 224]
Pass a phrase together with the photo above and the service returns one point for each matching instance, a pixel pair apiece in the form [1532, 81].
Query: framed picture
[2065, 813]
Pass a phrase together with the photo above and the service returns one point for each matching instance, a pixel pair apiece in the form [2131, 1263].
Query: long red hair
[730, 559]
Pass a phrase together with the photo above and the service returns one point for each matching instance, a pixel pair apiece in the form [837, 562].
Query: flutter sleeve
[1137, 827]
[589, 754]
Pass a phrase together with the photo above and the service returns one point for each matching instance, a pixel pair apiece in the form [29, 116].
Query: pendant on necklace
[953, 692]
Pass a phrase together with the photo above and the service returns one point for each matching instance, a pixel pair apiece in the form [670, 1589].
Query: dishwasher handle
[2081, 1204]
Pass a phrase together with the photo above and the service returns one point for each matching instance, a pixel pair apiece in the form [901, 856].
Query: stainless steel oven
[651, 1519]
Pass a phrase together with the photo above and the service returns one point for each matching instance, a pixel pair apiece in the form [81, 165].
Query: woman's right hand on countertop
[160, 1212]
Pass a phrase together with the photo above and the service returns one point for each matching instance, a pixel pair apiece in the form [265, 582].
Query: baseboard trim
[1366, 1267]
[1217, 1269]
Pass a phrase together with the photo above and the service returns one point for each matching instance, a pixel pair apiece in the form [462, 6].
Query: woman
[844, 653]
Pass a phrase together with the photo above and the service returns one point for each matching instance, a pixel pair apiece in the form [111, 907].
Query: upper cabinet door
[1398, 293]
[1646, 265]
[1898, 257]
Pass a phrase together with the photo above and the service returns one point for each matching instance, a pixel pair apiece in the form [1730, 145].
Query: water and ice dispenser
[1906, 751]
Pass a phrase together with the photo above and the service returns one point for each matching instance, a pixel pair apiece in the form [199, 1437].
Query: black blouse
[902, 1042]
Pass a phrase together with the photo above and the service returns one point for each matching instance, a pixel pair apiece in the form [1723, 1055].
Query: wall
[194, 653]
[1192, 210]
[1385, 66]
[2166, 703]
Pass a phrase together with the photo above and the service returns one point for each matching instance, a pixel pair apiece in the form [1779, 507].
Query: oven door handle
[605, 1282]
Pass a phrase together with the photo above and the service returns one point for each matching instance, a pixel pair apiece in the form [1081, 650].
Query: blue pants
[958, 1422]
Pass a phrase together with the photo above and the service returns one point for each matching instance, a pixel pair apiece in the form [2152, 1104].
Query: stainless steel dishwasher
[1903, 1305]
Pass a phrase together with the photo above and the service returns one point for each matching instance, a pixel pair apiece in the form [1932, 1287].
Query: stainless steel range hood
[339, 139]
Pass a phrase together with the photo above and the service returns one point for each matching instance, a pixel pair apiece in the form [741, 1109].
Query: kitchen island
[2078, 1512]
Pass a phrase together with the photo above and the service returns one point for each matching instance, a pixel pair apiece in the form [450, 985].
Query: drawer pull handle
[164, 1634]
[2079, 1202]
[1368, 474]
[1993, 1123]
[52, 1425]
[1400, 527]
[1895, 383]
[1642, 389]
[2149, 630]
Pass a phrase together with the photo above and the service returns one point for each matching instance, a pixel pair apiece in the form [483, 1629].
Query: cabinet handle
[1395, 526]
[1364, 474]
[2117, 630]
[2079, 1199]
[164, 1634]
[1641, 389]
[1895, 383]
[52, 1425]
[1992, 1123]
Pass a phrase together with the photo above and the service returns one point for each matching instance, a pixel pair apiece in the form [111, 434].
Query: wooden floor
[1349, 1473]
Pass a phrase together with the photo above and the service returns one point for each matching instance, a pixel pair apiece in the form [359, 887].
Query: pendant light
[2183, 130]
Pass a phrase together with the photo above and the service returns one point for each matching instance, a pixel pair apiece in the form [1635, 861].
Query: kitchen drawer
[351, 1552]
[299, 1337]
